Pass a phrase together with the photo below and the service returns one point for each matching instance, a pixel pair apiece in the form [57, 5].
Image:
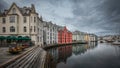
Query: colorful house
[64, 36]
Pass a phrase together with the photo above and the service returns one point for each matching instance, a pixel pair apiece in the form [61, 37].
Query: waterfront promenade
[30, 58]
[30, 55]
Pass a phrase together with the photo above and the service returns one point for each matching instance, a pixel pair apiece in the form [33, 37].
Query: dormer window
[27, 11]
[25, 20]
[14, 11]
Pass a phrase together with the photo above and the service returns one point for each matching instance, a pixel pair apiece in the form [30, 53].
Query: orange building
[64, 36]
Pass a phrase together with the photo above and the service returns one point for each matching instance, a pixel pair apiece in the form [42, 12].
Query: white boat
[116, 43]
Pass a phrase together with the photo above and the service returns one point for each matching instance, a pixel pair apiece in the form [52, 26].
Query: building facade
[92, 37]
[50, 33]
[17, 21]
[78, 36]
[40, 31]
[64, 36]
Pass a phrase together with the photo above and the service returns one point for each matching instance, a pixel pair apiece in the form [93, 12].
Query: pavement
[5, 55]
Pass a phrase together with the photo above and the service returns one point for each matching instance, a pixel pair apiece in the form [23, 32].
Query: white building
[40, 31]
[78, 36]
[92, 37]
[17, 21]
[81, 36]
[50, 33]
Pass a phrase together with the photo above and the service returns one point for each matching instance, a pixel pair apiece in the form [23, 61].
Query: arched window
[4, 29]
[25, 29]
[14, 11]
[12, 29]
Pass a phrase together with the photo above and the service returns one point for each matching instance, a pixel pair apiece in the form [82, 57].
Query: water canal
[93, 55]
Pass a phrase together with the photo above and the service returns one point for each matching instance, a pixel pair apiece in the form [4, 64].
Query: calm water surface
[91, 55]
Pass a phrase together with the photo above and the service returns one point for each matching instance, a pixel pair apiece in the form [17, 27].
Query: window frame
[14, 11]
[24, 19]
[34, 19]
[12, 19]
[3, 29]
[12, 29]
[24, 29]
[3, 20]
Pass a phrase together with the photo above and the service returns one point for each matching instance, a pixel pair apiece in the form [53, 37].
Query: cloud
[3, 5]
[94, 16]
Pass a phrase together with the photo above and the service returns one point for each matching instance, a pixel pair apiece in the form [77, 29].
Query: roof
[24, 10]
[78, 32]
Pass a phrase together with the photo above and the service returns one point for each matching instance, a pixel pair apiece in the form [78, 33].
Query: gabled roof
[24, 11]
[63, 28]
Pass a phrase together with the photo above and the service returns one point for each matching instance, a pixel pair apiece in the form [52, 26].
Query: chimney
[33, 8]
[5, 11]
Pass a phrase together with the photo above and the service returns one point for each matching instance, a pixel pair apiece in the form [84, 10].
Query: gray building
[50, 33]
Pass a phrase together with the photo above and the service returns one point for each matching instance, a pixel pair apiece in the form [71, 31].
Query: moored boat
[116, 43]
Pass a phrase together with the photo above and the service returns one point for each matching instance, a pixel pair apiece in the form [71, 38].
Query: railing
[33, 59]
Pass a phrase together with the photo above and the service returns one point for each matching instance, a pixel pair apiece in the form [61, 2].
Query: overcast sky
[93, 16]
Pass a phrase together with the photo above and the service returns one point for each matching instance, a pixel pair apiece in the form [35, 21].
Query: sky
[92, 16]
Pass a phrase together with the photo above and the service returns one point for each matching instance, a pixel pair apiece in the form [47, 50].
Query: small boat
[116, 43]
[109, 41]
[101, 42]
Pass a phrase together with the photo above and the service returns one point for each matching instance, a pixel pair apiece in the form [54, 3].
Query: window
[12, 19]
[14, 11]
[38, 39]
[34, 28]
[31, 19]
[12, 29]
[38, 30]
[25, 29]
[3, 20]
[4, 29]
[24, 20]
[34, 19]
[31, 29]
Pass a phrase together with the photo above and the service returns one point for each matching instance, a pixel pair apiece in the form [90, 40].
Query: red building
[64, 36]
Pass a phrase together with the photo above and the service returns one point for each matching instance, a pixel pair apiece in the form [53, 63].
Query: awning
[2, 37]
[11, 38]
[8, 37]
[23, 38]
[19, 38]
[26, 38]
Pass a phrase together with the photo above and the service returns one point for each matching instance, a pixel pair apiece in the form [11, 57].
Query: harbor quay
[14, 60]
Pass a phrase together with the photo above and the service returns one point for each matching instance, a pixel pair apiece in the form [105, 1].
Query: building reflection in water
[64, 53]
[61, 54]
